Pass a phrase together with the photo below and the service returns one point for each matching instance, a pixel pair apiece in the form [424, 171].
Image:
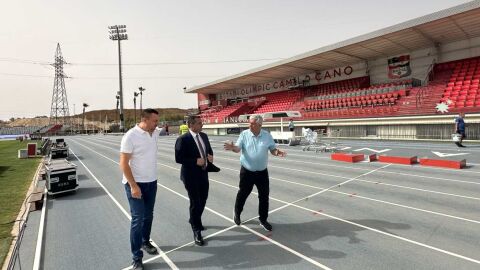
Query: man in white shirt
[138, 162]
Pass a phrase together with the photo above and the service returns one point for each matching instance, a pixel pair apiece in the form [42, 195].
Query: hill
[110, 116]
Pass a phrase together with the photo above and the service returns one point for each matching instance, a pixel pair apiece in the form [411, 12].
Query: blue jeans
[142, 216]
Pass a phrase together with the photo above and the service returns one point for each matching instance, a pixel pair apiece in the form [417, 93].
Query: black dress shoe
[236, 218]
[197, 237]
[267, 226]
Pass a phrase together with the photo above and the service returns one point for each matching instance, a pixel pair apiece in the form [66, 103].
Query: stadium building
[407, 81]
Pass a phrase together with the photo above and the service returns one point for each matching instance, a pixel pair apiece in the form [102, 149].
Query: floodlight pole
[85, 105]
[116, 110]
[135, 94]
[141, 89]
[118, 33]
[74, 122]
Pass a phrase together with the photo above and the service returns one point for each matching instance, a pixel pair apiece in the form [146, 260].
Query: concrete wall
[420, 60]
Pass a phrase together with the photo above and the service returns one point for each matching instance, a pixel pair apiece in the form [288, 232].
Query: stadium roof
[445, 26]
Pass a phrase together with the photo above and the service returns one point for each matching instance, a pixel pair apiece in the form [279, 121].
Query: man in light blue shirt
[254, 143]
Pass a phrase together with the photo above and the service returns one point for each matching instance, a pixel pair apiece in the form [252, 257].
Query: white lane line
[363, 226]
[393, 235]
[224, 153]
[258, 234]
[38, 247]
[367, 198]
[167, 260]
[188, 244]
[230, 220]
[420, 189]
[401, 165]
[362, 169]
[383, 171]
[373, 182]
[358, 224]
[214, 142]
[369, 144]
[372, 229]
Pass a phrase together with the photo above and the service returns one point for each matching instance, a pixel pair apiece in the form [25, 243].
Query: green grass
[15, 178]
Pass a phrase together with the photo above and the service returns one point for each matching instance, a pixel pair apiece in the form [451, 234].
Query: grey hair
[258, 118]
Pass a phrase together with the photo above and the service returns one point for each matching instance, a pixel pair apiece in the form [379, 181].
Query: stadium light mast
[85, 105]
[119, 33]
[74, 116]
[141, 89]
[135, 95]
[118, 104]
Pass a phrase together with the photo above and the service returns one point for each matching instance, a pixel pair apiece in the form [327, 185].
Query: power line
[24, 61]
[113, 78]
[179, 63]
[26, 75]
[35, 62]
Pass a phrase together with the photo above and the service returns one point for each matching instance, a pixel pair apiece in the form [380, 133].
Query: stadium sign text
[319, 77]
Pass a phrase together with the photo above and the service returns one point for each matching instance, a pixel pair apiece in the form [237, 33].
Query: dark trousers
[142, 216]
[197, 190]
[247, 180]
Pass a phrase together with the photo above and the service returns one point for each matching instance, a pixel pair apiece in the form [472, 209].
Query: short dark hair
[147, 112]
[191, 119]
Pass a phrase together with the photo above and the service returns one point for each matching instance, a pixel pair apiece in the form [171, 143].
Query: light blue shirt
[255, 149]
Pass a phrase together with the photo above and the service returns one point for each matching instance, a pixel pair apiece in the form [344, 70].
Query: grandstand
[29, 130]
[411, 78]
[19, 130]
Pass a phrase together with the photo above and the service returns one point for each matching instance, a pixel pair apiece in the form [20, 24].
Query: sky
[171, 44]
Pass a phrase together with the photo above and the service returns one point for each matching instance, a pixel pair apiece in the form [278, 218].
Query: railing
[430, 71]
[421, 93]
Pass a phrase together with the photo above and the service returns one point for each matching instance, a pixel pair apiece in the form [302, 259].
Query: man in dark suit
[194, 152]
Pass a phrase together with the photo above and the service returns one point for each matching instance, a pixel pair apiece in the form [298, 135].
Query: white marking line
[449, 154]
[372, 150]
[377, 183]
[258, 234]
[420, 189]
[38, 247]
[167, 260]
[224, 217]
[290, 149]
[287, 248]
[394, 236]
[362, 169]
[368, 144]
[363, 226]
[366, 198]
[188, 244]
[367, 181]
[366, 227]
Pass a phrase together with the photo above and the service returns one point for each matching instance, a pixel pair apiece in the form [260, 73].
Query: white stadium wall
[420, 60]
[459, 50]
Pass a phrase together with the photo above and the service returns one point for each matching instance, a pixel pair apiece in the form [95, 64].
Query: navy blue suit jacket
[186, 153]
